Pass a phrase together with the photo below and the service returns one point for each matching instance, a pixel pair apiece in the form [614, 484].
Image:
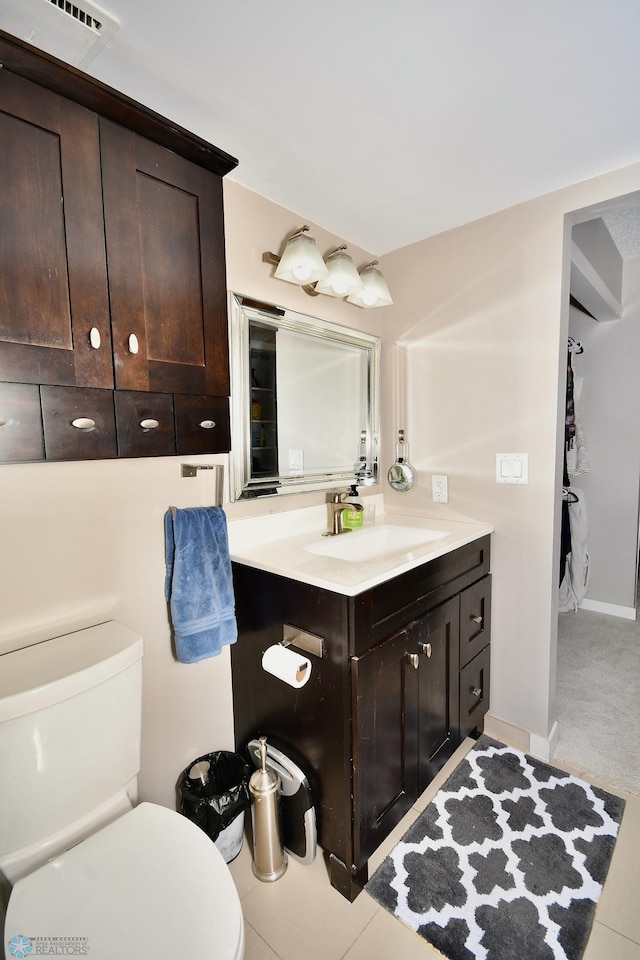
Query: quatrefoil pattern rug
[507, 862]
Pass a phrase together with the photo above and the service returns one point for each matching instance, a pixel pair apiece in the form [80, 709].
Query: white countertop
[280, 544]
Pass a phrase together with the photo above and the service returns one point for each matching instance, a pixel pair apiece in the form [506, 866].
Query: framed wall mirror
[305, 402]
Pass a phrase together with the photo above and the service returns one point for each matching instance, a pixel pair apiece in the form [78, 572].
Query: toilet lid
[149, 885]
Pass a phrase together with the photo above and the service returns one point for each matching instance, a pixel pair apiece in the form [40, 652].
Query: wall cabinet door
[165, 251]
[54, 308]
[385, 760]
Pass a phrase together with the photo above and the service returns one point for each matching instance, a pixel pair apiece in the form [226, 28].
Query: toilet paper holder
[303, 640]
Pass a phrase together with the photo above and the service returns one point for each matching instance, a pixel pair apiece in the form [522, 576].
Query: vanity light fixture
[301, 262]
[374, 292]
[343, 279]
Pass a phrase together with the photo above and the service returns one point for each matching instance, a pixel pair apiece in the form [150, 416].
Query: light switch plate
[512, 468]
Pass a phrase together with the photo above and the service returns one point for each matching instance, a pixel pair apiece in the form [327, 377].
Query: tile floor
[302, 916]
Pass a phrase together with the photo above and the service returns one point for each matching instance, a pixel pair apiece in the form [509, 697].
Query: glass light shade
[343, 279]
[301, 262]
[375, 292]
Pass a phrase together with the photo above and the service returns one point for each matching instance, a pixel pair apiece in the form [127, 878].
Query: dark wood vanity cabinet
[388, 702]
[112, 268]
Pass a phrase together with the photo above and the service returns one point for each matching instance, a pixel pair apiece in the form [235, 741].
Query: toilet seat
[150, 885]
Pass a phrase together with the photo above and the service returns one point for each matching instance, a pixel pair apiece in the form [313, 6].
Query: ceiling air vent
[73, 32]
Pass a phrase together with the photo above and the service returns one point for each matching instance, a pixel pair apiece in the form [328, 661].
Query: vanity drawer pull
[149, 424]
[476, 691]
[83, 423]
[477, 620]
[207, 424]
[94, 338]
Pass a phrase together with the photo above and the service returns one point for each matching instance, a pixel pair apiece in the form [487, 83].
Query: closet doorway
[598, 660]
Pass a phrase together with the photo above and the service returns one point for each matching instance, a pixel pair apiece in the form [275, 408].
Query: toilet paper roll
[286, 665]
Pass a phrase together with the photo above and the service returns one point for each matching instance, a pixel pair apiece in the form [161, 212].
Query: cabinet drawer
[21, 436]
[474, 691]
[194, 432]
[61, 406]
[145, 424]
[475, 619]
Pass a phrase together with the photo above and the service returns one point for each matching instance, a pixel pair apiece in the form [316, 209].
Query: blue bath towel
[198, 583]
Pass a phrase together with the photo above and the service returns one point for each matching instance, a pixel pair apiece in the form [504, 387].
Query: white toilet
[87, 872]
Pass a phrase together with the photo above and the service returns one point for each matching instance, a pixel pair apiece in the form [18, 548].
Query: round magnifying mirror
[401, 476]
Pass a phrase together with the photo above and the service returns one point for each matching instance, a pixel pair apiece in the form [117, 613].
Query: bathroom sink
[374, 544]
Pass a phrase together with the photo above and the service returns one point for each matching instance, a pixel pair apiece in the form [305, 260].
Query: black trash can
[214, 793]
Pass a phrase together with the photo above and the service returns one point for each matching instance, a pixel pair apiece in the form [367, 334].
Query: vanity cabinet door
[438, 695]
[475, 619]
[474, 691]
[165, 252]
[385, 723]
[54, 307]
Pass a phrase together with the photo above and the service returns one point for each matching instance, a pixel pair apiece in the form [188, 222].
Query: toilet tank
[70, 717]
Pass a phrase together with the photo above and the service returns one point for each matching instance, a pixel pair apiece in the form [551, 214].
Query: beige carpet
[598, 697]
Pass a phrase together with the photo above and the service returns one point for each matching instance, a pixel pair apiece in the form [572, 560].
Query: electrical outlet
[440, 489]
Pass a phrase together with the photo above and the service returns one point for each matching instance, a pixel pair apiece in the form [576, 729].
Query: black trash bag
[214, 805]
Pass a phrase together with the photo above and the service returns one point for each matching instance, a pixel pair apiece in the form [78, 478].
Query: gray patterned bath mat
[507, 862]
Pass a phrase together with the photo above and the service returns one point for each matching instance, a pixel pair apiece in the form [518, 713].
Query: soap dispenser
[353, 519]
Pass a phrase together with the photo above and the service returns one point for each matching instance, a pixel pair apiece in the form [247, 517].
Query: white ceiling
[386, 122]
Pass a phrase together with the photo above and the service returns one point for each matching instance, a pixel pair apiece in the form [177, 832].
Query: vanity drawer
[20, 422]
[475, 619]
[202, 424]
[474, 691]
[94, 436]
[145, 424]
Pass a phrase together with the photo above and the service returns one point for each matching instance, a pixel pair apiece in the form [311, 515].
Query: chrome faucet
[337, 507]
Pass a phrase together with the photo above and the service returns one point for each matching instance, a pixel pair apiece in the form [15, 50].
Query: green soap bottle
[353, 519]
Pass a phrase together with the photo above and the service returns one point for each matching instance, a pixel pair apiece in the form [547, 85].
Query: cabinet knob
[476, 691]
[133, 343]
[149, 424]
[207, 424]
[94, 338]
[477, 620]
[414, 660]
[83, 423]
[426, 649]
[2, 422]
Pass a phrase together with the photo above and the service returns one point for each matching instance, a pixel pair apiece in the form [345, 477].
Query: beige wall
[471, 358]
[476, 362]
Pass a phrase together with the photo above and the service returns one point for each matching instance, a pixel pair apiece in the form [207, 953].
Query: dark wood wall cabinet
[403, 679]
[112, 272]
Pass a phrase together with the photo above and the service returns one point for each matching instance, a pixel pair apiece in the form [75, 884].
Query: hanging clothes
[569, 419]
[576, 577]
[577, 455]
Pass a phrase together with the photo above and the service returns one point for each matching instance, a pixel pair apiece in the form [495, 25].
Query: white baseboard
[613, 609]
[540, 747]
